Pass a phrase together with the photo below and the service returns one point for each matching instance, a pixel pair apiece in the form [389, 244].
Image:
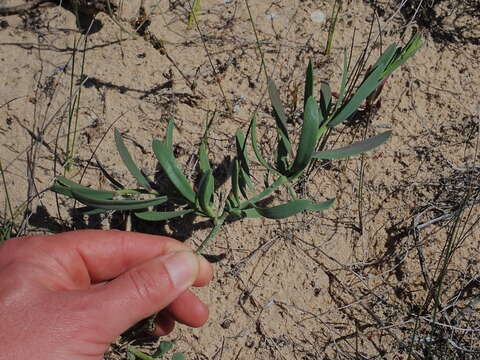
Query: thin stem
[218, 225]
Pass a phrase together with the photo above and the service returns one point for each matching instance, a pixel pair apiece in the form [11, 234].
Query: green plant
[337, 7]
[242, 199]
[194, 13]
[163, 348]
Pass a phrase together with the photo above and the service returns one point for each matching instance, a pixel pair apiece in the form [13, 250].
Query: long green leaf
[308, 84]
[308, 139]
[203, 158]
[169, 165]
[343, 84]
[161, 215]
[205, 193]
[86, 198]
[278, 108]
[413, 45]
[242, 150]
[354, 149]
[128, 161]
[292, 208]
[64, 186]
[367, 87]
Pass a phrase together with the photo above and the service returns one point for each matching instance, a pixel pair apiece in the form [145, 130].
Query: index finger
[106, 254]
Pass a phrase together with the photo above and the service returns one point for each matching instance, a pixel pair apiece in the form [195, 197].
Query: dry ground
[342, 284]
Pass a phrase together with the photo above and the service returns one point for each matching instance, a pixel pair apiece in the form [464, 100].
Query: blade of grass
[354, 149]
[308, 139]
[129, 163]
[161, 215]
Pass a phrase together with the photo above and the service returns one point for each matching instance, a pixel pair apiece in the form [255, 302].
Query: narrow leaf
[129, 163]
[413, 45]
[367, 87]
[308, 83]
[169, 165]
[292, 208]
[308, 139]
[203, 158]
[278, 108]
[343, 84]
[356, 148]
[241, 150]
[161, 215]
[64, 186]
[205, 193]
[87, 199]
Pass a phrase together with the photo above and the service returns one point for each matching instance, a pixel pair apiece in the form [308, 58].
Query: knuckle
[145, 284]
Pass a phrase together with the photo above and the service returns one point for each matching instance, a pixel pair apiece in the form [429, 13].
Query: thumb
[143, 291]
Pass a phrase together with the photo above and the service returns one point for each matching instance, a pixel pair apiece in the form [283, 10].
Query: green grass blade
[168, 163]
[244, 182]
[87, 198]
[308, 139]
[169, 134]
[292, 208]
[241, 150]
[413, 45]
[386, 57]
[343, 84]
[354, 149]
[195, 12]
[205, 193]
[279, 112]
[129, 163]
[65, 186]
[203, 158]
[367, 87]
[308, 84]
[161, 215]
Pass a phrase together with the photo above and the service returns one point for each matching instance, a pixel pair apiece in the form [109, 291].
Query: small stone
[318, 16]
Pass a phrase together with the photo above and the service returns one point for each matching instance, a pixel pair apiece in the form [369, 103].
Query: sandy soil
[317, 286]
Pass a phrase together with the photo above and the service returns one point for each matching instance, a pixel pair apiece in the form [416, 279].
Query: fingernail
[182, 268]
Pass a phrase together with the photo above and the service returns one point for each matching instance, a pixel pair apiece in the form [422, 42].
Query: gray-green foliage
[242, 198]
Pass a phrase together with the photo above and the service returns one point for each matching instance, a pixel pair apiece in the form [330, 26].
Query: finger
[107, 254]
[142, 291]
[189, 310]
[164, 324]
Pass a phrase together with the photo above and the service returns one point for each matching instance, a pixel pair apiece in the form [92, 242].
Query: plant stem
[218, 225]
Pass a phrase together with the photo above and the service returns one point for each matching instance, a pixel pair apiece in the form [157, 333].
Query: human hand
[68, 296]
